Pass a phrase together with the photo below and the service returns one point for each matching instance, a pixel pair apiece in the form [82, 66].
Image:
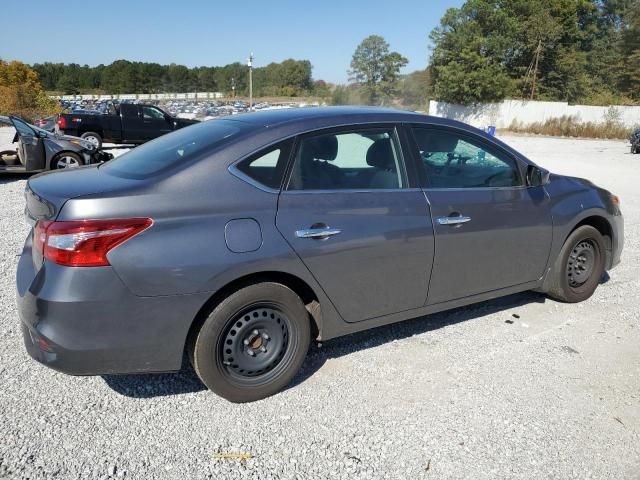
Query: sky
[211, 33]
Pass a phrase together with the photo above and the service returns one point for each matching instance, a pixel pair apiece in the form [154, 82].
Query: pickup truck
[125, 124]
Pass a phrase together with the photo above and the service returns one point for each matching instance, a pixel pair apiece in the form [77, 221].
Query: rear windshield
[174, 148]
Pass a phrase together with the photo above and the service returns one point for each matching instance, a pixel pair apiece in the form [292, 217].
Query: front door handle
[453, 220]
[318, 232]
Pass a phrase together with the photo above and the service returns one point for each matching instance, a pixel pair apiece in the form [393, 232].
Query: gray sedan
[240, 240]
[39, 149]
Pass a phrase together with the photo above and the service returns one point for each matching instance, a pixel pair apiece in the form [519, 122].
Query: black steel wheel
[579, 266]
[581, 263]
[253, 342]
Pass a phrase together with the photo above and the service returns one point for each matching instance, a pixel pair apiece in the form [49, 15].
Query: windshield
[174, 148]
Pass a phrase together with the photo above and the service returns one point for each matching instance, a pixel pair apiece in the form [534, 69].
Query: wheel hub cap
[581, 263]
[255, 342]
[68, 162]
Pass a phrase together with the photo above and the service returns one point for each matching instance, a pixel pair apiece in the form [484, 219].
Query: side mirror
[537, 176]
[41, 134]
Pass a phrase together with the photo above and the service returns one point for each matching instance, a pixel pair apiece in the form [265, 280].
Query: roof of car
[269, 118]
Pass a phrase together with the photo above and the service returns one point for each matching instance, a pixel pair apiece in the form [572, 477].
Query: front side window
[355, 160]
[151, 113]
[452, 160]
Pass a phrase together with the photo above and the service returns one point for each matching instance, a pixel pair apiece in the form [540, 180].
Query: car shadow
[10, 177]
[186, 380]
[375, 337]
[149, 385]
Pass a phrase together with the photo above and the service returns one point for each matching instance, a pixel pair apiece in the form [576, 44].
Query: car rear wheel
[93, 137]
[66, 160]
[253, 342]
[579, 267]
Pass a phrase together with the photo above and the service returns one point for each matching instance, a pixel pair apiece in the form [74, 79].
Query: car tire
[579, 266]
[8, 156]
[93, 137]
[253, 342]
[66, 160]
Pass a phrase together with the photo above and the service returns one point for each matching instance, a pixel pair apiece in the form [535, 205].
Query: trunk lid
[46, 193]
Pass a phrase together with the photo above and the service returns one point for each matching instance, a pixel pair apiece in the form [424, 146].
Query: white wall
[503, 114]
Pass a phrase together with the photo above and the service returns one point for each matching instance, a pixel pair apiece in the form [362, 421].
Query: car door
[155, 122]
[30, 146]
[350, 214]
[133, 127]
[492, 231]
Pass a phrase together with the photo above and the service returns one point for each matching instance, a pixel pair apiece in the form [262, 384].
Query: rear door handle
[453, 220]
[318, 232]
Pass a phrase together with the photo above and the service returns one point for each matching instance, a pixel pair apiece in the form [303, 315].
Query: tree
[468, 59]
[571, 50]
[376, 69]
[416, 89]
[21, 92]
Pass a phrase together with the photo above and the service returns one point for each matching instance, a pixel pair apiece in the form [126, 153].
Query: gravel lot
[475, 393]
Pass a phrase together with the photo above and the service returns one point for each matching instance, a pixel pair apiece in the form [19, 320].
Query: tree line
[288, 78]
[580, 51]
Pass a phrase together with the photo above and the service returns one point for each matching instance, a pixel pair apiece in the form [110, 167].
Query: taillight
[84, 243]
[62, 123]
[40, 236]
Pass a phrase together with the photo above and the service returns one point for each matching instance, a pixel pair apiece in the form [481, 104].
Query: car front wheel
[66, 160]
[579, 266]
[253, 342]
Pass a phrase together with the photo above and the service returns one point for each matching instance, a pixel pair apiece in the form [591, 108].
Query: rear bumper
[84, 321]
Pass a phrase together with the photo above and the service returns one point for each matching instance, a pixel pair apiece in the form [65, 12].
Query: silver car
[39, 149]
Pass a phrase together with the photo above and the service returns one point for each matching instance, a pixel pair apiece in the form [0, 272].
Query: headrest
[324, 147]
[380, 154]
[437, 141]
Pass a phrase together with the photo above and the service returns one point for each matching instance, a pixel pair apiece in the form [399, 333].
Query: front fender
[572, 202]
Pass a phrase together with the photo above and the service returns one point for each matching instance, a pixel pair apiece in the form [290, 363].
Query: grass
[569, 126]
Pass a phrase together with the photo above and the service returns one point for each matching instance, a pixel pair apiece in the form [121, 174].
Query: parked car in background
[125, 124]
[241, 239]
[40, 150]
[46, 123]
[635, 141]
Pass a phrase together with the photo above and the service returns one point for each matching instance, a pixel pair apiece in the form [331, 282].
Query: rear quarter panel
[185, 251]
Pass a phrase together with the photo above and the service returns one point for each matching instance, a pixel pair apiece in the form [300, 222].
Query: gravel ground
[521, 387]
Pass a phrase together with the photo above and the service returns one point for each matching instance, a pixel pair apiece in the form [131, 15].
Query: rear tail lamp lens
[84, 243]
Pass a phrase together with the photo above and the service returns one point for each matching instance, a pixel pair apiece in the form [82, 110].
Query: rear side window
[359, 159]
[267, 167]
[454, 160]
[175, 148]
[128, 110]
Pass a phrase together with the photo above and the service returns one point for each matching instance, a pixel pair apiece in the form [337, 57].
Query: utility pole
[233, 87]
[535, 69]
[250, 65]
